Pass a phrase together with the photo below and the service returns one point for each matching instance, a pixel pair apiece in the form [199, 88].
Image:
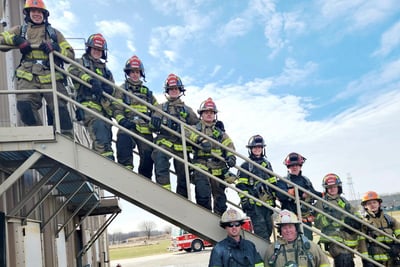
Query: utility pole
[352, 193]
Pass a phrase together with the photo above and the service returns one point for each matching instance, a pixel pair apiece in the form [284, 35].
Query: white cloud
[389, 40]
[234, 28]
[111, 28]
[373, 83]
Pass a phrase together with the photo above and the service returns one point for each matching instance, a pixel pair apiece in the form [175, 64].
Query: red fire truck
[182, 240]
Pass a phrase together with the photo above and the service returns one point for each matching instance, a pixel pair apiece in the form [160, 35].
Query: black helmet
[256, 140]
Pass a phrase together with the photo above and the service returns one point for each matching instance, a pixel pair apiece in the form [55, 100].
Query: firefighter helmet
[287, 217]
[208, 104]
[254, 141]
[35, 4]
[332, 179]
[134, 63]
[370, 195]
[294, 159]
[231, 215]
[173, 81]
[99, 42]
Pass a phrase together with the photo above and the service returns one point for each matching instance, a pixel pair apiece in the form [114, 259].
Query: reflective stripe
[381, 257]
[143, 129]
[93, 105]
[140, 108]
[64, 48]
[47, 78]
[167, 186]
[24, 75]
[85, 77]
[8, 38]
[216, 172]
[259, 264]
[176, 147]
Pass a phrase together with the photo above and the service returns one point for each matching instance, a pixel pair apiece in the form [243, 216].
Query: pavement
[175, 259]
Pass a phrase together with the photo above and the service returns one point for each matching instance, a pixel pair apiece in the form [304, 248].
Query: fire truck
[183, 240]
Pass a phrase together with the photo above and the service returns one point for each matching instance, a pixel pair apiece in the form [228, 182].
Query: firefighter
[174, 106]
[202, 158]
[234, 250]
[33, 71]
[94, 59]
[333, 194]
[292, 248]
[375, 216]
[261, 216]
[294, 162]
[134, 71]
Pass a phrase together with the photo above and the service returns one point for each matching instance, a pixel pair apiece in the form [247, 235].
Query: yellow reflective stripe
[85, 77]
[47, 78]
[351, 243]
[143, 129]
[380, 257]
[92, 105]
[106, 154]
[397, 233]
[216, 172]
[325, 265]
[8, 37]
[140, 108]
[64, 48]
[119, 117]
[24, 75]
[259, 264]
[37, 54]
[165, 142]
[201, 166]
[272, 179]
[243, 180]
[167, 186]
[227, 142]
[193, 136]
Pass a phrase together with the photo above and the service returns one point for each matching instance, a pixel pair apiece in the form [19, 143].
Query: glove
[97, 89]
[264, 197]
[108, 89]
[230, 178]
[155, 123]
[231, 161]
[206, 146]
[353, 223]
[394, 250]
[49, 46]
[23, 45]
[128, 124]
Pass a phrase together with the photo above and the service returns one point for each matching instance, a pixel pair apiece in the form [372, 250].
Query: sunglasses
[232, 224]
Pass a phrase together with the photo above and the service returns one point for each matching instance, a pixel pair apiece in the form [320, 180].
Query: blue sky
[319, 77]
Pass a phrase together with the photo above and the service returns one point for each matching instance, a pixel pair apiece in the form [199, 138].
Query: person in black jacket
[261, 216]
[294, 162]
[234, 251]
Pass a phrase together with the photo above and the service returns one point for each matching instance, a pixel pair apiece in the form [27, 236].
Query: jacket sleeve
[216, 257]
[66, 48]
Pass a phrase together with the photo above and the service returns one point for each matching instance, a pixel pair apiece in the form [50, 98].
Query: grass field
[139, 251]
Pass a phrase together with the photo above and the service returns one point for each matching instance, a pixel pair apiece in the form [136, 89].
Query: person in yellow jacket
[292, 248]
[134, 71]
[333, 194]
[95, 59]
[206, 187]
[174, 106]
[375, 216]
[36, 39]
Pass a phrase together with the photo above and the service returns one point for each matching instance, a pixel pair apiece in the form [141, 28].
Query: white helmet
[231, 215]
[287, 217]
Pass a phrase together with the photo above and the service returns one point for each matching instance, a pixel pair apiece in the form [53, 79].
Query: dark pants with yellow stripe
[125, 145]
[162, 166]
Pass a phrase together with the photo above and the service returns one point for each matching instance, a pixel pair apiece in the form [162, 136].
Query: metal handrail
[184, 127]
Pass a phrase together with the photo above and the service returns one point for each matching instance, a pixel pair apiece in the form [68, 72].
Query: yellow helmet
[287, 217]
[35, 4]
[231, 215]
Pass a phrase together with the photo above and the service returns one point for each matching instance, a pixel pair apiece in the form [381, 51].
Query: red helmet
[99, 42]
[35, 4]
[294, 159]
[370, 195]
[207, 105]
[332, 179]
[134, 63]
[173, 81]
